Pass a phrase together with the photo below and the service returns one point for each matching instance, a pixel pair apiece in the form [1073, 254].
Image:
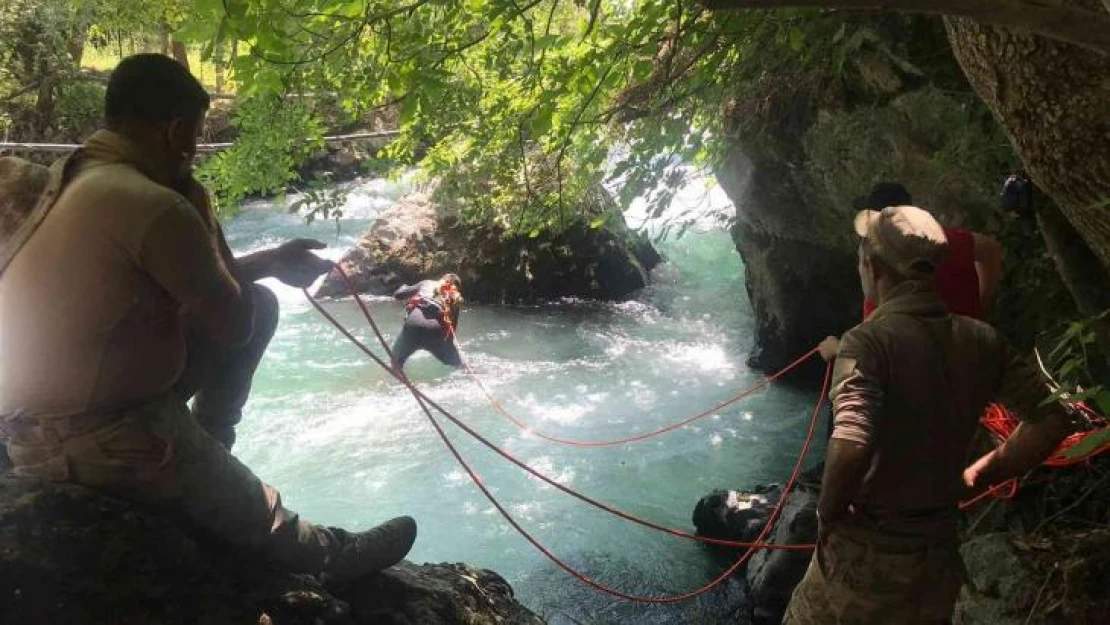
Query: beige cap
[908, 238]
[21, 183]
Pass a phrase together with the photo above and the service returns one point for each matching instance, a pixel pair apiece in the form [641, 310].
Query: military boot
[357, 554]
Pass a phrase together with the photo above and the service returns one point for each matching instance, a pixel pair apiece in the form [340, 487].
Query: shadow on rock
[70, 555]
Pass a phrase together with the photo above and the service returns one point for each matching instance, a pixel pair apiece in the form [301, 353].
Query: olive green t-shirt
[90, 307]
[910, 383]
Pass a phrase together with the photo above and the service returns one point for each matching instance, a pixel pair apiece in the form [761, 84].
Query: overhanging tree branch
[1081, 27]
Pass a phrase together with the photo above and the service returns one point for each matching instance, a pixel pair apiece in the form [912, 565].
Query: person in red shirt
[967, 278]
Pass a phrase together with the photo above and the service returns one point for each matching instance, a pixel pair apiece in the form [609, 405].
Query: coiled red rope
[425, 402]
[1001, 423]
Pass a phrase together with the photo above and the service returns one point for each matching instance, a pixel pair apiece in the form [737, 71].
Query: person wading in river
[432, 309]
[94, 308]
[909, 385]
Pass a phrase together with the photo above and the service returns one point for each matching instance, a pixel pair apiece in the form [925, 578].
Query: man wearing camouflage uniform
[909, 385]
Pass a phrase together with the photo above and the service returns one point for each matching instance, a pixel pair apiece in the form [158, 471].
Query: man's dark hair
[153, 88]
[884, 194]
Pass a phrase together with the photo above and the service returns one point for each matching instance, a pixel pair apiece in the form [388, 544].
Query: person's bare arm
[1025, 449]
[292, 262]
[988, 264]
[1044, 425]
[846, 464]
[857, 407]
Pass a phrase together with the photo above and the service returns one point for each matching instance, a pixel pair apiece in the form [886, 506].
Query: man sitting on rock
[909, 385]
[94, 310]
[432, 309]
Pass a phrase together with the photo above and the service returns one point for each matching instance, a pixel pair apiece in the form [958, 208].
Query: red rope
[1002, 423]
[639, 437]
[547, 479]
[421, 399]
[1010, 487]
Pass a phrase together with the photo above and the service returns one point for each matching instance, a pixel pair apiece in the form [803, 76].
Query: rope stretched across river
[535, 473]
[497, 406]
[1004, 490]
[425, 402]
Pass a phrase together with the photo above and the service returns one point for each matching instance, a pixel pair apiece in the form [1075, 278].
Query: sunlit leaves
[518, 105]
[263, 159]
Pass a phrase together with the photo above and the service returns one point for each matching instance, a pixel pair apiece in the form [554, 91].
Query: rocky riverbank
[69, 555]
[1021, 569]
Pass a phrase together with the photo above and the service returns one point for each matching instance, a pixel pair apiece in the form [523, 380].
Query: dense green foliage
[521, 107]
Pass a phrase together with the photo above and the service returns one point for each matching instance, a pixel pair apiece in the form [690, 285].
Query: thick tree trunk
[1078, 268]
[1053, 100]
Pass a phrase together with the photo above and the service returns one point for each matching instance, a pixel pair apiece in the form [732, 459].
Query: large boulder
[420, 237]
[802, 144]
[70, 555]
[770, 575]
[1057, 578]
[1014, 578]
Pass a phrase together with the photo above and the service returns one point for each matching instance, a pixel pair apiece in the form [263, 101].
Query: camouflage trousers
[858, 577]
[157, 454]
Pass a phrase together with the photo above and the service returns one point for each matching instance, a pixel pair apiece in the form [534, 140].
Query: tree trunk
[1053, 99]
[1078, 268]
[44, 105]
[221, 65]
[179, 53]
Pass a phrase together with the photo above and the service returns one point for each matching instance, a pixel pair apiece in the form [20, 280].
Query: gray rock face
[69, 555]
[799, 263]
[770, 576]
[1049, 579]
[418, 238]
[997, 575]
[799, 154]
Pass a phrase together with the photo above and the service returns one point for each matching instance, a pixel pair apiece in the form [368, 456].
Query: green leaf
[1092, 442]
[409, 108]
[797, 39]
[1102, 400]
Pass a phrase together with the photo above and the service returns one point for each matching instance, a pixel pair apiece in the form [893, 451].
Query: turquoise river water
[347, 446]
